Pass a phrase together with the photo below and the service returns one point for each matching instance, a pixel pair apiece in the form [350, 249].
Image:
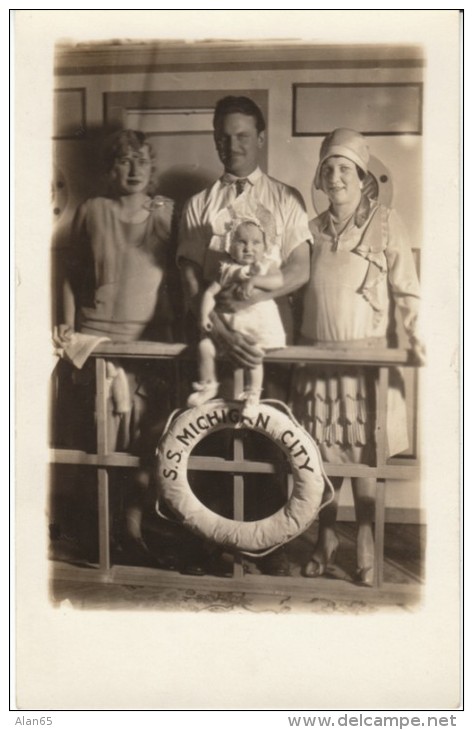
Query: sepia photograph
[239, 417]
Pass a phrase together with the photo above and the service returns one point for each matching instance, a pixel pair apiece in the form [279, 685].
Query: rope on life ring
[184, 431]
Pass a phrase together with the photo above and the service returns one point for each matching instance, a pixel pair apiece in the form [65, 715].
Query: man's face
[238, 143]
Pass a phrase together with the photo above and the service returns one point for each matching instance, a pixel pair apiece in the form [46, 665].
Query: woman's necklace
[341, 223]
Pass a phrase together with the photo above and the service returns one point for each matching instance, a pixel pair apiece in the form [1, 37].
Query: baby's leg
[255, 378]
[252, 392]
[207, 387]
[207, 355]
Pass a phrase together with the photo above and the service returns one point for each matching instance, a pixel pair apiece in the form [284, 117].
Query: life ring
[191, 426]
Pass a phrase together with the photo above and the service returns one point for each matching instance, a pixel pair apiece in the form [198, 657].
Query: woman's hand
[419, 352]
[62, 335]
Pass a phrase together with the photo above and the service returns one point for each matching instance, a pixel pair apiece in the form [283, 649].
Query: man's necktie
[240, 185]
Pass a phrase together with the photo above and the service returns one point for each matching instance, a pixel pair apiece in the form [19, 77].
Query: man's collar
[227, 178]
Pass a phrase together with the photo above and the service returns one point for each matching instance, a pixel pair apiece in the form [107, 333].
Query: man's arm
[270, 281]
[296, 270]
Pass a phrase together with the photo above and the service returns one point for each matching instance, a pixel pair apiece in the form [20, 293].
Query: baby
[249, 266]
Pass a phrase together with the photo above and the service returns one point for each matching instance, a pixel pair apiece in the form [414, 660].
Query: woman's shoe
[193, 568]
[221, 564]
[134, 551]
[170, 561]
[365, 556]
[322, 562]
[365, 577]
[313, 569]
[195, 560]
[276, 563]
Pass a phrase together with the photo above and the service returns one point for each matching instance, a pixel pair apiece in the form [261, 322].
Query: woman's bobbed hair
[120, 142]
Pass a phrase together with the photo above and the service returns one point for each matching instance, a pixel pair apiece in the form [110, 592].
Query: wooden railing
[104, 458]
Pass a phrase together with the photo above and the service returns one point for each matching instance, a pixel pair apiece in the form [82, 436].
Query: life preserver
[191, 426]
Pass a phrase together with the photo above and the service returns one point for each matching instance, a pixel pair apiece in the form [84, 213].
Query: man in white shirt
[239, 133]
[239, 136]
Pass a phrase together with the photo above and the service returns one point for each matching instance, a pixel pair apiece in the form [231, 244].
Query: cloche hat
[343, 143]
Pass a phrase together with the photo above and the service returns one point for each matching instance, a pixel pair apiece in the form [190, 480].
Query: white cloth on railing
[78, 348]
[117, 387]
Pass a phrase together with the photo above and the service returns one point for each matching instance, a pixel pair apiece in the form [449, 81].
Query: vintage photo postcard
[237, 257]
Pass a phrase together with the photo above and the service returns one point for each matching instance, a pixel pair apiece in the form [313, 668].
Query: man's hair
[238, 105]
[120, 142]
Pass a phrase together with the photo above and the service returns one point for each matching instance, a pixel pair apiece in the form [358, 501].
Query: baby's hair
[119, 143]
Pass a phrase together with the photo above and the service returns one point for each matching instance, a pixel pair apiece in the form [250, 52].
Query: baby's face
[248, 245]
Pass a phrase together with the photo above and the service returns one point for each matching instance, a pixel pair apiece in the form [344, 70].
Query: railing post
[381, 453]
[238, 479]
[379, 521]
[102, 473]
[381, 416]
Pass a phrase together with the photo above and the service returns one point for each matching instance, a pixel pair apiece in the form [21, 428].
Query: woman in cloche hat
[361, 264]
